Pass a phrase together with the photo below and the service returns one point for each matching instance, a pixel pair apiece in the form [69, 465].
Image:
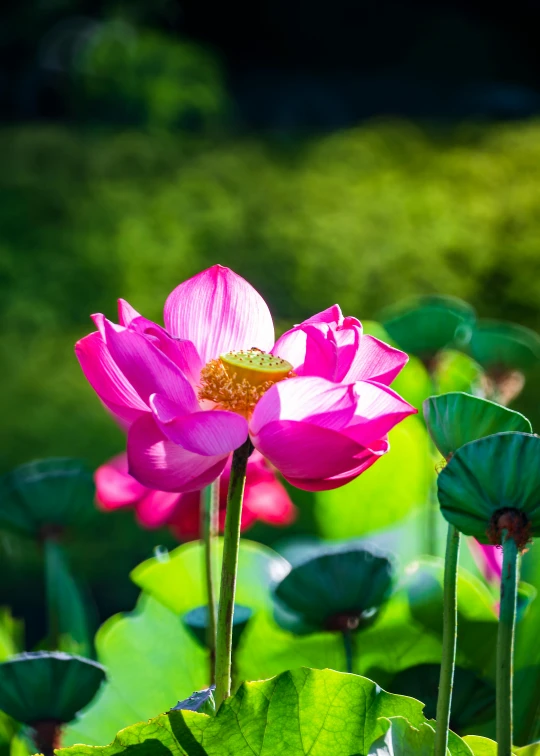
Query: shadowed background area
[348, 152]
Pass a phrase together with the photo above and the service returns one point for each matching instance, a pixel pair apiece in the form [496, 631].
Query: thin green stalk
[449, 640]
[432, 521]
[505, 645]
[348, 646]
[53, 555]
[209, 531]
[231, 544]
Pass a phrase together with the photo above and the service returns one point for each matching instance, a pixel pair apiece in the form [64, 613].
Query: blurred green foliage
[363, 217]
[132, 76]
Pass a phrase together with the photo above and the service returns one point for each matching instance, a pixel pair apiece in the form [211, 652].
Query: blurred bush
[363, 217]
[126, 76]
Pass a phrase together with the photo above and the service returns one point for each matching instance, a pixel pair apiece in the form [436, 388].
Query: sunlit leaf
[152, 662]
[402, 739]
[315, 712]
[178, 582]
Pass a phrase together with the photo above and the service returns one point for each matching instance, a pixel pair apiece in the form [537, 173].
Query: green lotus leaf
[477, 618]
[481, 746]
[473, 699]
[196, 621]
[46, 494]
[484, 476]
[387, 493]
[498, 345]
[47, 685]
[152, 661]
[344, 583]
[178, 582]
[393, 642]
[305, 711]
[425, 325]
[530, 750]
[402, 739]
[456, 418]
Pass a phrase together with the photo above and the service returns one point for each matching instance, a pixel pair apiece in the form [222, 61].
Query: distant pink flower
[265, 498]
[488, 558]
[316, 404]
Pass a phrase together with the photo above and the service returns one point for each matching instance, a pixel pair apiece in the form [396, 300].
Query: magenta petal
[311, 350]
[378, 410]
[488, 559]
[269, 501]
[331, 315]
[364, 461]
[316, 400]
[147, 368]
[162, 465]
[107, 380]
[157, 508]
[115, 487]
[219, 312]
[208, 433]
[292, 347]
[300, 450]
[376, 361]
[126, 313]
[321, 352]
[183, 353]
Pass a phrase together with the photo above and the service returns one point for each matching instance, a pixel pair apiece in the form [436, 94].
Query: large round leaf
[304, 711]
[348, 580]
[456, 418]
[397, 484]
[47, 685]
[178, 581]
[484, 476]
[425, 325]
[45, 493]
[500, 345]
[152, 662]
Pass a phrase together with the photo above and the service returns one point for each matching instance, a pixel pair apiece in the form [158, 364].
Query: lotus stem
[505, 645]
[231, 544]
[449, 640]
[348, 646]
[209, 529]
[53, 555]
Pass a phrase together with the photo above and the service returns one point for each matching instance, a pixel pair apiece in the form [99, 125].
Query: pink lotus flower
[265, 498]
[316, 403]
[488, 559]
